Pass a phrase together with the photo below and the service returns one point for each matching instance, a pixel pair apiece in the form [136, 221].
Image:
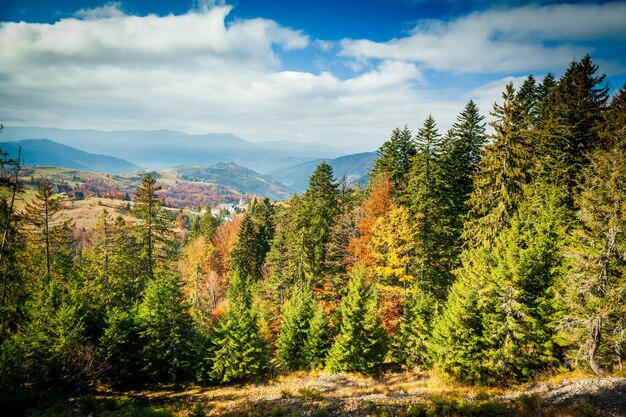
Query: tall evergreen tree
[428, 203]
[40, 213]
[240, 353]
[295, 350]
[166, 330]
[317, 216]
[594, 289]
[155, 223]
[501, 175]
[395, 159]
[572, 118]
[361, 343]
[410, 343]
[461, 152]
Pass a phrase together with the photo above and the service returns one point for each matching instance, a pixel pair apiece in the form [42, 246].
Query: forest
[491, 255]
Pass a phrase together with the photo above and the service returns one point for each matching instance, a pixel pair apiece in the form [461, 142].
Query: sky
[344, 73]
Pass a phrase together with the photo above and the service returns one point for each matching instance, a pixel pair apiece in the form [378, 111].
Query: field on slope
[178, 192]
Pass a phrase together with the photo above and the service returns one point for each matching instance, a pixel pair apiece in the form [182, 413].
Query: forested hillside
[491, 258]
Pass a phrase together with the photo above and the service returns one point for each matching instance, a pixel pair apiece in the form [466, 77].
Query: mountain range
[160, 149]
[222, 159]
[355, 168]
[44, 152]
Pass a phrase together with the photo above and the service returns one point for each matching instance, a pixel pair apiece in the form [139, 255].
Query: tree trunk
[595, 342]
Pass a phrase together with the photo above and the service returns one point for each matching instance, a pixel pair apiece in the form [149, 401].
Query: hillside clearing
[393, 394]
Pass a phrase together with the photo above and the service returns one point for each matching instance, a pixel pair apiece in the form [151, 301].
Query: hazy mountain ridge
[45, 152]
[161, 149]
[355, 168]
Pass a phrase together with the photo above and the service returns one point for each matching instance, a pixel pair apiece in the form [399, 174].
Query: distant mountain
[44, 152]
[160, 149]
[236, 177]
[354, 167]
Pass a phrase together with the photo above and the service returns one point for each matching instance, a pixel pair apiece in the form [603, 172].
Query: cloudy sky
[339, 72]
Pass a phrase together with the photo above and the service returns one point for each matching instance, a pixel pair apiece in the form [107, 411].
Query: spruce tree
[166, 330]
[40, 214]
[502, 173]
[155, 225]
[361, 343]
[317, 216]
[428, 203]
[572, 118]
[410, 343]
[240, 353]
[394, 160]
[296, 319]
[595, 283]
[461, 153]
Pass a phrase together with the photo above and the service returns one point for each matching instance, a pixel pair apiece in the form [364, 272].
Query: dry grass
[344, 393]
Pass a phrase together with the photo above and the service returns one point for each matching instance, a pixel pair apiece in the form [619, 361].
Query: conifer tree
[318, 338]
[317, 216]
[572, 117]
[361, 343]
[166, 330]
[457, 342]
[596, 280]
[461, 153]
[427, 193]
[410, 343]
[296, 317]
[394, 160]
[240, 353]
[502, 173]
[155, 223]
[12, 289]
[499, 319]
[520, 307]
[527, 98]
[40, 213]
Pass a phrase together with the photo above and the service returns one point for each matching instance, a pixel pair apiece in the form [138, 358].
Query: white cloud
[501, 40]
[111, 9]
[196, 73]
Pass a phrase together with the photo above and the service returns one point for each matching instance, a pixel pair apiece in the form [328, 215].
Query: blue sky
[340, 72]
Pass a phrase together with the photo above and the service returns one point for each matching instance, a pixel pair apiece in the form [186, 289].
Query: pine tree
[11, 243]
[458, 343]
[394, 160]
[502, 173]
[318, 338]
[594, 289]
[520, 321]
[240, 352]
[428, 203]
[155, 223]
[317, 216]
[461, 154]
[361, 343]
[572, 117]
[40, 213]
[410, 343]
[166, 330]
[527, 98]
[296, 319]
[245, 255]
[121, 346]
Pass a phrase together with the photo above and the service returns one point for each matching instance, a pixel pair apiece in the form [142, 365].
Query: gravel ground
[605, 394]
